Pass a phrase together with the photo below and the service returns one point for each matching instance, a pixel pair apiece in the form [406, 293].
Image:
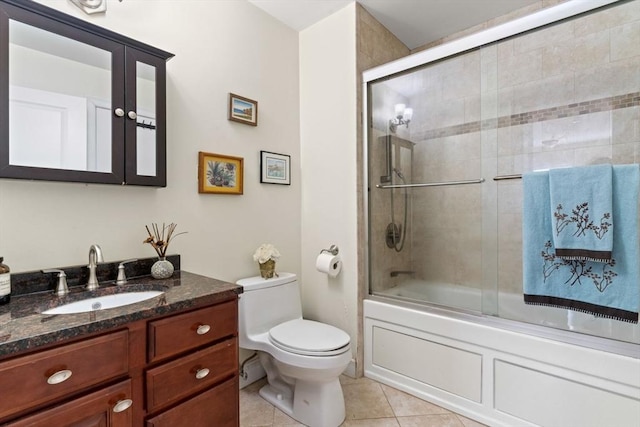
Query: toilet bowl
[303, 358]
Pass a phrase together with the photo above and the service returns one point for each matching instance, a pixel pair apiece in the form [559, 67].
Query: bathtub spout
[396, 273]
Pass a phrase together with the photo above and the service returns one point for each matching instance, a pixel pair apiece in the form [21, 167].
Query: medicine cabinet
[78, 102]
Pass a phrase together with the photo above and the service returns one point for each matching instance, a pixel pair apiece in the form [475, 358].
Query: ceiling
[414, 22]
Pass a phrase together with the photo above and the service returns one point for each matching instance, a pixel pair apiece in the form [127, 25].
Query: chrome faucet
[95, 256]
[61, 289]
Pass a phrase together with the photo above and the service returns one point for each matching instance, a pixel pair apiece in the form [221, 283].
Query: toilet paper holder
[333, 250]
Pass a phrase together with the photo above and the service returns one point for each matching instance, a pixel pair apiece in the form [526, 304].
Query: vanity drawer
[189, 374]
[105, 407]
[217, 407]
[180, 333]
[42, 377]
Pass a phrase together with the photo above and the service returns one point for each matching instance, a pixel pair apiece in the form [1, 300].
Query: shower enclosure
[448, 140]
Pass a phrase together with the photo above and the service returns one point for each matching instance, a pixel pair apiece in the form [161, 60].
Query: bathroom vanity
[167, 361]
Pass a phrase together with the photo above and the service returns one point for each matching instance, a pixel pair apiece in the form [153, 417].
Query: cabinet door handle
[201, 373]
[59, 377]
[132, 115]
[203, 329]
[119, 112]
[122, 405]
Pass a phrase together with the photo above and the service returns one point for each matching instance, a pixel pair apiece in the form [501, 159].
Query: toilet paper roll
[329, 264]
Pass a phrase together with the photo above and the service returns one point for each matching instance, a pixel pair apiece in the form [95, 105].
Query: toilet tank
[265, 303]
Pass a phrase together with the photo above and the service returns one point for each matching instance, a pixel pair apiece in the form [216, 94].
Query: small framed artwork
[219, 174]
[243, 110]
[275, 168]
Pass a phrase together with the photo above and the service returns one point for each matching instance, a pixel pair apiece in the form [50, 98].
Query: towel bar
[432, 184]
[505, 177]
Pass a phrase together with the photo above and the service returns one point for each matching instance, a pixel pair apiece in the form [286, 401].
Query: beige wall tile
[615, 78]
[518, 68]
[625, 125]
[551, 35]
[569, 55]
[542, 93]
[608, 18]
[625, 40]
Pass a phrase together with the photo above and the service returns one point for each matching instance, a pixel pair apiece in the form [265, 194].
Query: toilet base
[315, 404]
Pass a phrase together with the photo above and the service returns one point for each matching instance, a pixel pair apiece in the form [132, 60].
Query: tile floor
[368, 404]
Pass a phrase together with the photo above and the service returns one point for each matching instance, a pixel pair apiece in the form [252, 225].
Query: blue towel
[581, 212]
[609, 289]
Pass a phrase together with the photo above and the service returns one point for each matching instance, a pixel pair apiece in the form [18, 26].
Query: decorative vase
[162, 269]
[267, 269]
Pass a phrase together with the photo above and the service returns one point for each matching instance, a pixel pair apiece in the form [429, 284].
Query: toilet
[303, 359]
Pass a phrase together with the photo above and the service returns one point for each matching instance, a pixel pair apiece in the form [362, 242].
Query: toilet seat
[309, 338]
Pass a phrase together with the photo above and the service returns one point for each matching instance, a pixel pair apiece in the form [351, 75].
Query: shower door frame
[521, 25]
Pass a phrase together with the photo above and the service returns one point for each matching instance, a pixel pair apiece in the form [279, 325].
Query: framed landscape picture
[275, 168]
[243, 110]
[220, 174]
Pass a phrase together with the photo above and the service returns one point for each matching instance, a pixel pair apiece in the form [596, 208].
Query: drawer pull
[122, 405]
[203, 329]
[59, 377]
[201, 373]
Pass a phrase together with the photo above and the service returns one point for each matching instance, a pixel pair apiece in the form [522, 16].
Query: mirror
[146, 119]
[78, 102]
[59, 101]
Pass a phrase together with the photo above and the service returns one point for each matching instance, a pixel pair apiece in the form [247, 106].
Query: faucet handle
[122, 278]
[61, 288]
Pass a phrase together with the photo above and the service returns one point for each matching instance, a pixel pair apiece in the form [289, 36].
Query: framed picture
[275, 168]
[243, 110]
[220, 174]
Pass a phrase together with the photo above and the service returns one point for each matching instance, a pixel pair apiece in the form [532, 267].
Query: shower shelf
[432, 184]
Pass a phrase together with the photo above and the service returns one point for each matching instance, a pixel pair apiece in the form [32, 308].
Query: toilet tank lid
[258, 282]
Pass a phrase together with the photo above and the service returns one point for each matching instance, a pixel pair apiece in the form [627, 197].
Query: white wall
[328, 158]
[220, 47]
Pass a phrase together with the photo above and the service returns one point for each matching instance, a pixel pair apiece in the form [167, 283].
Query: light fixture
[403, 117]
[91, 6]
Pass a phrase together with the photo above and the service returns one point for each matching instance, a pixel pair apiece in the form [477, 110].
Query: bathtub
[512, 307]
[501, 372]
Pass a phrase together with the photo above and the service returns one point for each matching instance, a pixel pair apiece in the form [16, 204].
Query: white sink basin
[103, 302]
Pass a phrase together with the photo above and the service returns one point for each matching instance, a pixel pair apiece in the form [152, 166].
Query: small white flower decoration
[265, 252]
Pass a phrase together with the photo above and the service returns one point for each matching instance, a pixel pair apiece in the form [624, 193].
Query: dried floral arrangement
[159, 238]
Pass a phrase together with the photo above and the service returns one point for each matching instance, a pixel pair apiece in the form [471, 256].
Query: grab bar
[505, 177]
[432, 184]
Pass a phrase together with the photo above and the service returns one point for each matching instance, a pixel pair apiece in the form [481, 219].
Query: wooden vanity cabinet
[179, 370]
[215, 407]
[193, 377]
[48, 376]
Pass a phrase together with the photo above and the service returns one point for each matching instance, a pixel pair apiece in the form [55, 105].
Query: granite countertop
[23, 327]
